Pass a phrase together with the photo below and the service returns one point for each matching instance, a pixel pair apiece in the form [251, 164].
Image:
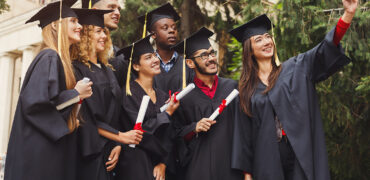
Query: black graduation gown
[208, 155]
[120, 66]
[139, 162]
[172, 80]
[295, 102]
[40, 145]
[102, 110]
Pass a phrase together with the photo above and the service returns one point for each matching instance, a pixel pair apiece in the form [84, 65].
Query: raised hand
[350, 7]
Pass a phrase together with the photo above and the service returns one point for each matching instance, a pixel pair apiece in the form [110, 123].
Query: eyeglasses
[205, 55]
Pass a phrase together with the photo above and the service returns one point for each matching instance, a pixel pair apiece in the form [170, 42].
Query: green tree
[3, 6]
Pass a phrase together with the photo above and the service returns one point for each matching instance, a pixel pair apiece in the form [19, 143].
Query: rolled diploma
[142, 111]
[183, 93]
[84, 80]
[228, 99]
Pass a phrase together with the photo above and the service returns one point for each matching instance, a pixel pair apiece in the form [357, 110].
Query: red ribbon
[222, 106]
[138, 127]
[80, 101]
[174, 94]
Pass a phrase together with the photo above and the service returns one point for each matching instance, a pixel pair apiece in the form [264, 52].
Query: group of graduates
[68, 127]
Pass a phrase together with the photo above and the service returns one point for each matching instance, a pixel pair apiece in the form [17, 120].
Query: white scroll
[228, 99]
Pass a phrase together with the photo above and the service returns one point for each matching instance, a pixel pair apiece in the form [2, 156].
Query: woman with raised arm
[284, 137]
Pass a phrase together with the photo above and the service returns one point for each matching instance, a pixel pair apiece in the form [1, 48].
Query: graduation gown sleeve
[323, 60]
[41, 94]
[242, 153]
[120, 67]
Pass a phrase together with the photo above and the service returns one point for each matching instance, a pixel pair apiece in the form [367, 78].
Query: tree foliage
[3, 6]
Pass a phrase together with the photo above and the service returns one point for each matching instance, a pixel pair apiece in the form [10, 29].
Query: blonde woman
[42, 143]
[98, 134]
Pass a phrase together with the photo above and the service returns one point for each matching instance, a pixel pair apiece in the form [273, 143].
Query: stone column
[27, 57]
[7, 62]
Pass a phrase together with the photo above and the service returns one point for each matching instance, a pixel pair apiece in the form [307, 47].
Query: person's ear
[190, 63]
[154, 35]
[136, 67]
[54, 25]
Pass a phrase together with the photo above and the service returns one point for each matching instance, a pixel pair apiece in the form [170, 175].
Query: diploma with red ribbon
[141, 115]
[224, 103]
[180, 95]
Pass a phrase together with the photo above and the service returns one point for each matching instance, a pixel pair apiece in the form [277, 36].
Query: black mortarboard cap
[132, 51]
[141, 46]
[198, 40]
[256, 26]
[91, 16]
[164, 11]
[51, 12]
[85, 3]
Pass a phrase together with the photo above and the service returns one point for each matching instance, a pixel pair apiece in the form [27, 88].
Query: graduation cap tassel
[144, 29]
[128, 90]
[90, 4]
[183, 68]
[60, 30]
[275, 50]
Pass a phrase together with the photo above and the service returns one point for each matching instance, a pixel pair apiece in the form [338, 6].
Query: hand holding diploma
[83, 87]
[141, 115]
[180, 95]
[224, 103]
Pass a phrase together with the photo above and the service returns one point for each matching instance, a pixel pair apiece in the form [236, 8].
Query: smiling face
[204, 62]
[111, 20]
[165, 33]
[74, 30]
[262, 46]
[149, 65]
[99, 39]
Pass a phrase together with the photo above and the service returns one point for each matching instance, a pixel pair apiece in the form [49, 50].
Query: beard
[202, 70]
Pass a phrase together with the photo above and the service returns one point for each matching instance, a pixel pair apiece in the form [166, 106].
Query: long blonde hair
[50, 40]
[81, 51]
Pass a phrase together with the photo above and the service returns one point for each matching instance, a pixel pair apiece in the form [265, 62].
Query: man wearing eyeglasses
[205, 146]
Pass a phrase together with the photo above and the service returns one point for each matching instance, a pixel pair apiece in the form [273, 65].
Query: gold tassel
[275, 50]
[90, 4]
[60, 30]
[183, 68]
[128, 90]
[144, 29]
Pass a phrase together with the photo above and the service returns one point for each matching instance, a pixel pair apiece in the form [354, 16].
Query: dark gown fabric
[172, 80]
[294, 99]
[207, 155]
[120, 66]
[41, 145]
[139, 162]
[102, 110]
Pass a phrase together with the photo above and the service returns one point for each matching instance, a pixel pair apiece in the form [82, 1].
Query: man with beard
[111, 21]
[162, 23]
[205, 145]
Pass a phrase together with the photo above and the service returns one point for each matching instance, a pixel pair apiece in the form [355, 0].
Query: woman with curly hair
[98, 137]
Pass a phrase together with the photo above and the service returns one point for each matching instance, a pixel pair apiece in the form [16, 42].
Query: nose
[117, 12]
[267, 41]
[104, 36]
[79, 26]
